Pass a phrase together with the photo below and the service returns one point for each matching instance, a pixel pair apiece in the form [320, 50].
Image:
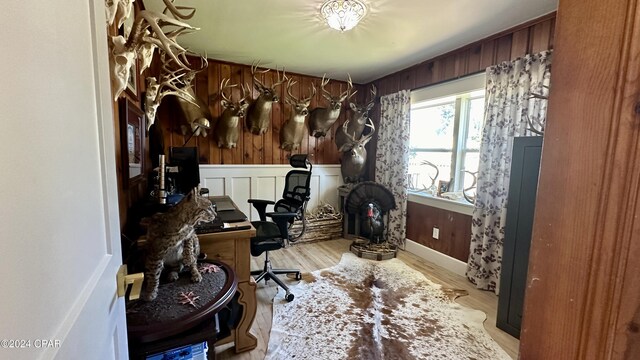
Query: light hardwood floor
[324, 254]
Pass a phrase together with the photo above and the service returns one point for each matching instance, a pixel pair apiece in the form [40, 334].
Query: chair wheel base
[289, 297]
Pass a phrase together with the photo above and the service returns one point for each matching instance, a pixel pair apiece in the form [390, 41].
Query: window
[446, 129]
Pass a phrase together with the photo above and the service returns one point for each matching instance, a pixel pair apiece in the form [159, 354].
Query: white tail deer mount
[195, 111]
[226, 131]
[321, 119]
[358, 120]
[293, 130]
[259, 113]
[354, 154]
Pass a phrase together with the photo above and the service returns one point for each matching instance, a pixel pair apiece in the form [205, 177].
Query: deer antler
[324, 83]
[175, 10]
[280, 80]
[313, 93]
[347, 93]
[374, 92]
[290, 98]
[433, 179]
[470, 199]
[224, 84]
[365, 138]
[254, 68]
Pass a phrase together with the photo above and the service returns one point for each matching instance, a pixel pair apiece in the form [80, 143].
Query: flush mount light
[343, 15]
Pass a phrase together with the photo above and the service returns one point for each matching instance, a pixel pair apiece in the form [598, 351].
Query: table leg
[244, 340]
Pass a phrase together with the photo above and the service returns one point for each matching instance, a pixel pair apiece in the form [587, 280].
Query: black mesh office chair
[274, 235]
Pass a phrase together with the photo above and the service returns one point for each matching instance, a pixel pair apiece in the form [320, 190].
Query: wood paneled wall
[531, 37]
[254, 149]
[455, 229]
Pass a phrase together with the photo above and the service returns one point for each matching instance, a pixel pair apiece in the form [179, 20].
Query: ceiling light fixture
[343, 15]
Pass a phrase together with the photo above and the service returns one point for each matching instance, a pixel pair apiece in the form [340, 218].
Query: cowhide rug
[364, 309]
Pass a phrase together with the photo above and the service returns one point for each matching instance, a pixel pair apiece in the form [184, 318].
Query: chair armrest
[282, 221]
[261, 207]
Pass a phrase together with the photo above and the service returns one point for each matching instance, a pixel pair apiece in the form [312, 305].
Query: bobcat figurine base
[170, 234]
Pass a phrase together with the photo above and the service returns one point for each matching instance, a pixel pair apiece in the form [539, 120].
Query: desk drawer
[221, 250]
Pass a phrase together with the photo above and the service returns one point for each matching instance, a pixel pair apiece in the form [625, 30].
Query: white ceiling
[394, 34]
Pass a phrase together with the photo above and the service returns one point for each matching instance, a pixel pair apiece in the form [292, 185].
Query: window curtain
[510, 110]
[392, 158]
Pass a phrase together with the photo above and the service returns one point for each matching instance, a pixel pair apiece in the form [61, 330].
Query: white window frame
[429, 96]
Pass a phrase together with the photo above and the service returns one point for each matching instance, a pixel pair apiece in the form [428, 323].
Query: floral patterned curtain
[392, 158]
[510, 111]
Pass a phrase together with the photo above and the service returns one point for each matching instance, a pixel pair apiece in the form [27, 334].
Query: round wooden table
[166, 322]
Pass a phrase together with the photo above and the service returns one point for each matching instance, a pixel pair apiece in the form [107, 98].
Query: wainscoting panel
[243, 182]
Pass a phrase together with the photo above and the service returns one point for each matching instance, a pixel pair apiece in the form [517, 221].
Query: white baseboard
[444, 261]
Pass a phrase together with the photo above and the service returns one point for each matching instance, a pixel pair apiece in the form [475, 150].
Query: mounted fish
[358, 120]
[226, 131]
[354, 154]
[321, 119]
[259, 113]
[293, 130]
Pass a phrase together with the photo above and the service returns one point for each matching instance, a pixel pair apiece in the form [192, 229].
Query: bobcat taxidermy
[171, 236]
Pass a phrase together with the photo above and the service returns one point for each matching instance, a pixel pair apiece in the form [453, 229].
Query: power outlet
[436, 233]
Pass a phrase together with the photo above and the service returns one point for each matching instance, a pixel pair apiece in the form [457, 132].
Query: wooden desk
[233, 248]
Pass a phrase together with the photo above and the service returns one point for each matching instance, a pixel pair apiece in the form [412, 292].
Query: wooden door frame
[583, 297]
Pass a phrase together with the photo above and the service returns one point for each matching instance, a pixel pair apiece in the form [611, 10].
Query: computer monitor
[186, 159]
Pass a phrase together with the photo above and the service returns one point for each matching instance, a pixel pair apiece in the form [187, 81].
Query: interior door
[59, 226]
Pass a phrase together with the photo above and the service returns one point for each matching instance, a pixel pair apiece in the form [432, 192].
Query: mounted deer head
[354, 154]
[259, 114]
[226, 131]
[358, 120]
[197, 116]
[321, 119]
[293, 130]
[171, 83]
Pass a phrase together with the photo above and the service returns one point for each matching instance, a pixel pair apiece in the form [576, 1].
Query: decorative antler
[175, 10]
[433, 179]
[150, 31]
[294, 100]
[254, 68]
[347, 94]
[365, 138]
[374, 92]
[323, 83]
[471, 199]
[224, 84]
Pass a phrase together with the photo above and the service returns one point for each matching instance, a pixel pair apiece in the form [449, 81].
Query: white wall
[242, 182]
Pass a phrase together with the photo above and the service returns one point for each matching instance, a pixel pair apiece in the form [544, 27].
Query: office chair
[274, 235]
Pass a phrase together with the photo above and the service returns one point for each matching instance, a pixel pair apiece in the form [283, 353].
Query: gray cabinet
[521, 203]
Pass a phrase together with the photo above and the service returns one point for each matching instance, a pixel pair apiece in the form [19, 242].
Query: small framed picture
[443, 187]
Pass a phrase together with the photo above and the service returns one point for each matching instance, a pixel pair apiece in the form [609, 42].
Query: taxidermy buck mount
[226, 130]
[195, 111]
[358, 121]
[321, 119]
[150, 30]
[293, 130]
[259, 113]
[354, 154]
[172, 82]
